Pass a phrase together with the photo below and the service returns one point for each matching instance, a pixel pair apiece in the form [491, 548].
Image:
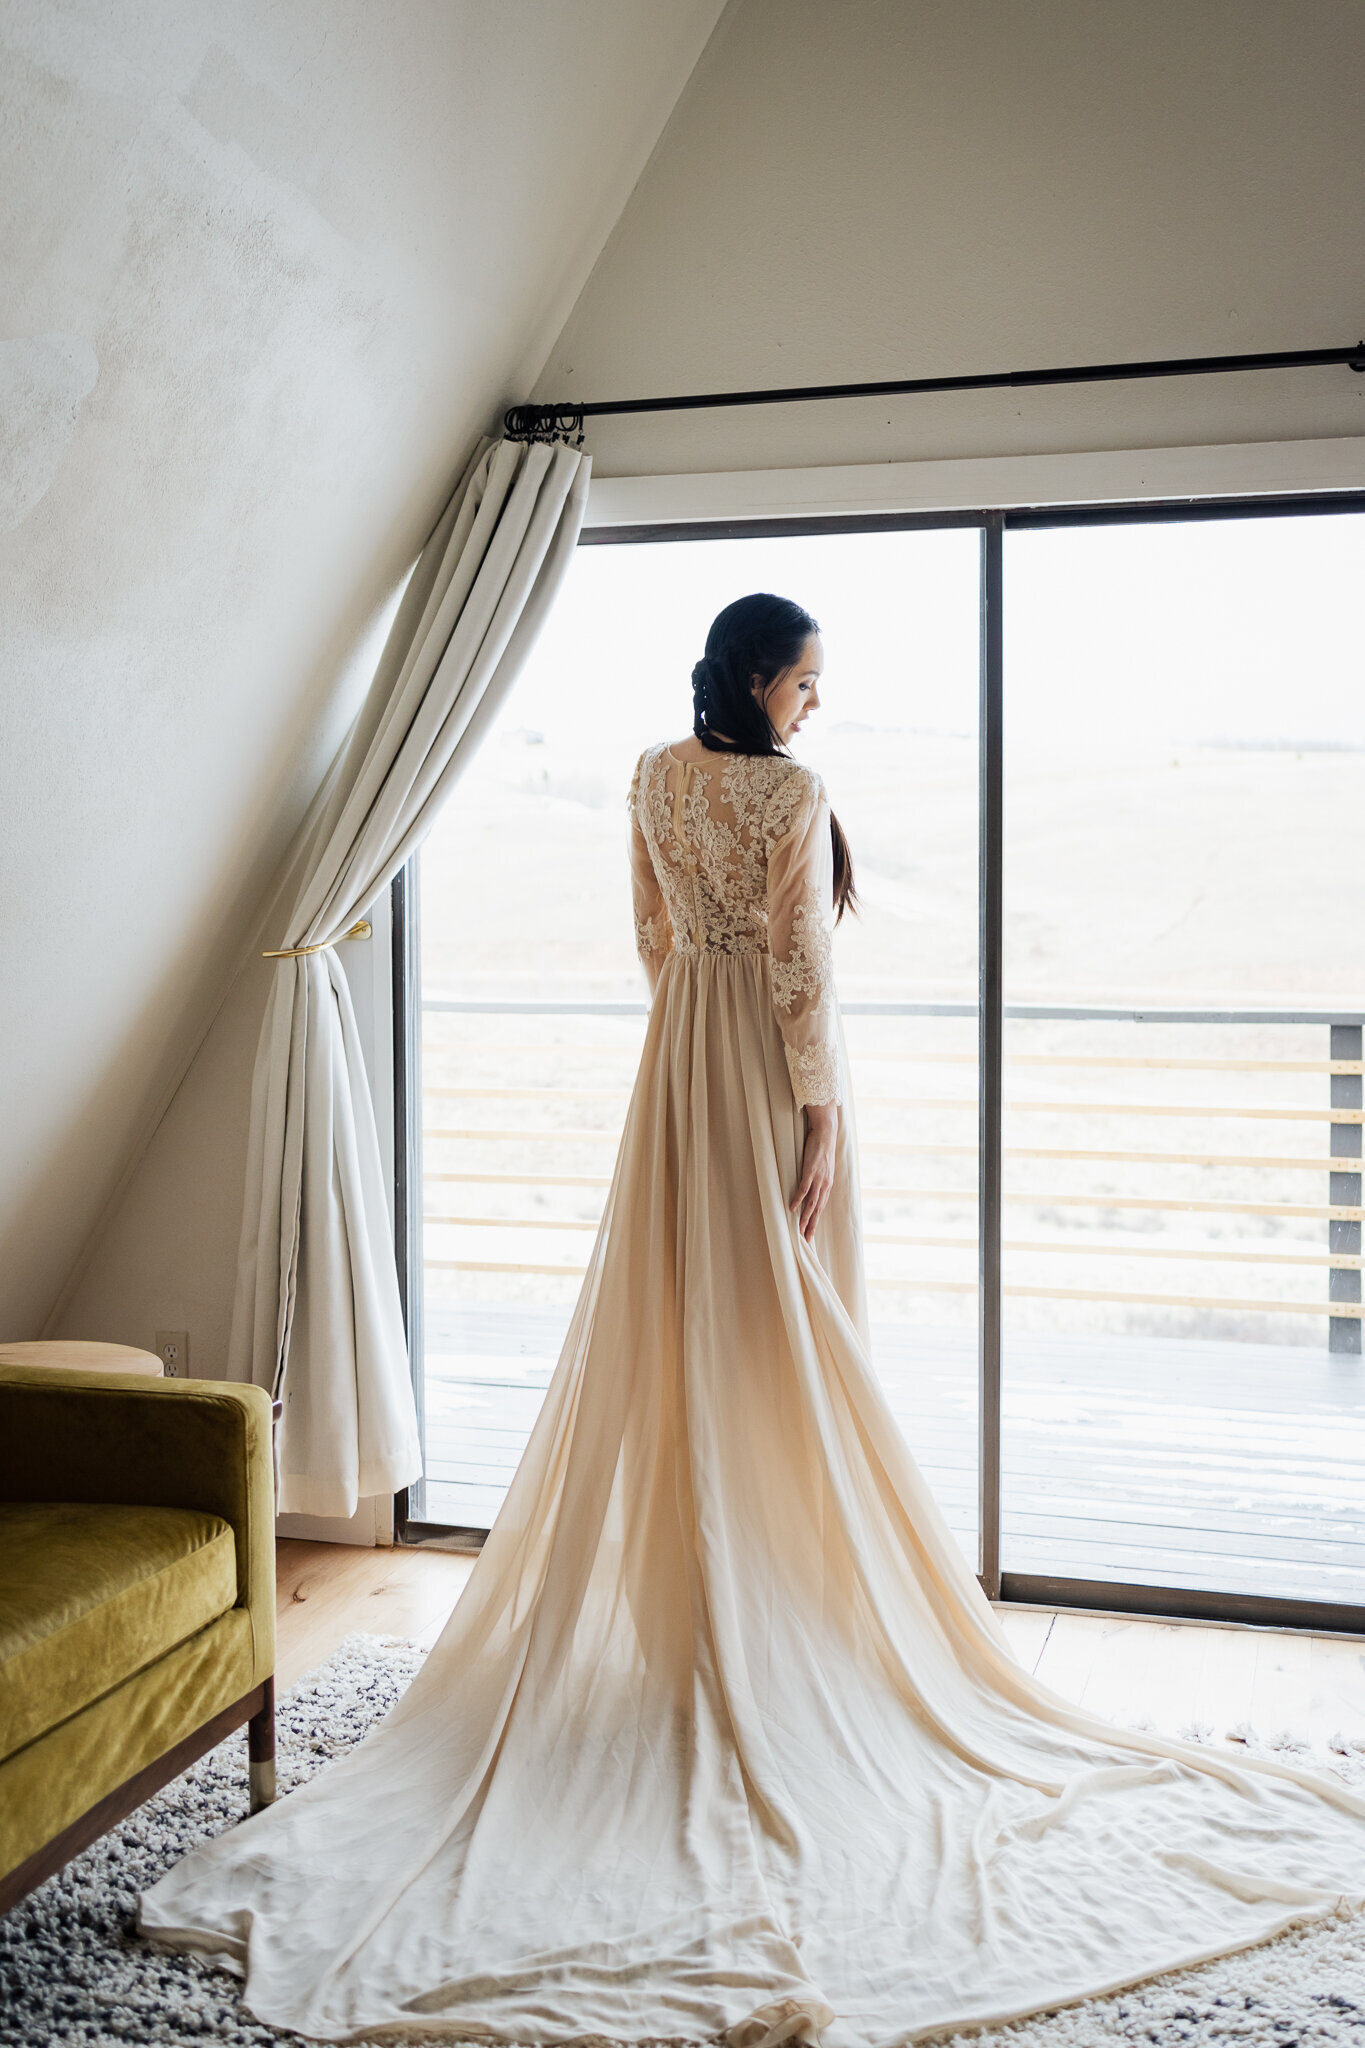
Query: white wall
[272, 268]
[897, 188]
[268, 272]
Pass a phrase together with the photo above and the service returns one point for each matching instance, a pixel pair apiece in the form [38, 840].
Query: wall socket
[173, 1349]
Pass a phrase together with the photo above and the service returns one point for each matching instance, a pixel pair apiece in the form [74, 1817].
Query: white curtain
[317, 1316]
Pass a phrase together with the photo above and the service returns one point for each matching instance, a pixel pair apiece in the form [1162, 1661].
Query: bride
[722, 1738]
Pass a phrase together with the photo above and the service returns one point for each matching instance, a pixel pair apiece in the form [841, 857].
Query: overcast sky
[1238, 630]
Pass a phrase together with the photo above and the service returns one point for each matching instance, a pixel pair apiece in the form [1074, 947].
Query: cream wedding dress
[722, 1737]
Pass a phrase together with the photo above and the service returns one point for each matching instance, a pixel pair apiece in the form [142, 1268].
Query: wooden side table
[69, 1355]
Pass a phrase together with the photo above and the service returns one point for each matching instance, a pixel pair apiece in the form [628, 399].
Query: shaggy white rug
[74, 1975]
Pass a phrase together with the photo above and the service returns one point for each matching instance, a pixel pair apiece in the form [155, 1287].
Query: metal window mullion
[407, 1155]
[990, 1048]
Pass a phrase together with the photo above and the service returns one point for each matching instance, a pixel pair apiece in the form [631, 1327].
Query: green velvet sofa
[137, 1599]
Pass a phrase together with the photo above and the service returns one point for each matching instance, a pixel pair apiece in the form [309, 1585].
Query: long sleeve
[800, 927]
[653, 932]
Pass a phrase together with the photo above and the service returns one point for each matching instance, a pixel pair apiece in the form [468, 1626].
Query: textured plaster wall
[267, 272]
[897, 188]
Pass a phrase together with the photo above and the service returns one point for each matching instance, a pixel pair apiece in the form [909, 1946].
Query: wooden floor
[1170, 1675]
[1179, 1463]
[324, 1591]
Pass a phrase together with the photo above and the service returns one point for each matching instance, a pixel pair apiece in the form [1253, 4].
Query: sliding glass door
[1184, 977]
[533, 1008]
[1104, 779]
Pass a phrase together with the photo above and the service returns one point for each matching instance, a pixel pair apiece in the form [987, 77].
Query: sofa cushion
[90, 1594]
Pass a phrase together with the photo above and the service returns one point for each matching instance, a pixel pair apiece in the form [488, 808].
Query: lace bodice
[733, 855]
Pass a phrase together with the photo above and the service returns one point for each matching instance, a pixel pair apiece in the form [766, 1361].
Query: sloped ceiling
[905, 188]
[269, 271]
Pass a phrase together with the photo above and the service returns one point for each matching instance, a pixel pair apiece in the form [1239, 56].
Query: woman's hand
[817, 1166]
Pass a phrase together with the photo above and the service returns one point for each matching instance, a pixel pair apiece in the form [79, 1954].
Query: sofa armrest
[124, 1439]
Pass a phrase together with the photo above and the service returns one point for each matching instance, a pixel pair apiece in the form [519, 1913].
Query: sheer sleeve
[800, 927]
[653, 932]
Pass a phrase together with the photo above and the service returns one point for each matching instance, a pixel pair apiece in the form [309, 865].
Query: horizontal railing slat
[530, 1094]
[527, 1180]
[1324, 1211]
[1203, 1254]
[861, 1056]
[1325, 1164]
[910, 1285]
[510, 1222]
[1190, 1111]
[1335, 1212]
[612, 1137]
[1216, 1302]
[1043, 1013]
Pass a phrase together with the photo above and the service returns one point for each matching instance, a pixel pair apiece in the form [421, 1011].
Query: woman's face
[795, 693]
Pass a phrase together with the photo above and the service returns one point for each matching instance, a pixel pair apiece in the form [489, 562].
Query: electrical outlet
[173, 1349]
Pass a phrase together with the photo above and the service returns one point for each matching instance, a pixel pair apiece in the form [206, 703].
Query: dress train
[722, 1738]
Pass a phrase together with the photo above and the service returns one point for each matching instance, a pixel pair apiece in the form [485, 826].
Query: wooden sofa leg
[260, 1749]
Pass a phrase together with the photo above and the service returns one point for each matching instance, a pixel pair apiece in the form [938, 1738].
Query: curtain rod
[534, 422]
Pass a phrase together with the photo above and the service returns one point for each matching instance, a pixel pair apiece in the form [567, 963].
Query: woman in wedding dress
[722, 1738]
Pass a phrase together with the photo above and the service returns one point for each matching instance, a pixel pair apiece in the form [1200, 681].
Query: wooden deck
[1233, 1467]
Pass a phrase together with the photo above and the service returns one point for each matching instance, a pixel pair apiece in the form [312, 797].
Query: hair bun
[703, 682]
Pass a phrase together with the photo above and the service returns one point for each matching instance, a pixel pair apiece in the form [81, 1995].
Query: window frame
[992, 523]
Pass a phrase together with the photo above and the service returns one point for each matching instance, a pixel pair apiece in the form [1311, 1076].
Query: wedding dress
[722, 1738]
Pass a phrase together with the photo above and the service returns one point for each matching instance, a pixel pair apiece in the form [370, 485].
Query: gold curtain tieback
[363, 930]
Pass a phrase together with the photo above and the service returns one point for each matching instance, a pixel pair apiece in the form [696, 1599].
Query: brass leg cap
[262, 1781]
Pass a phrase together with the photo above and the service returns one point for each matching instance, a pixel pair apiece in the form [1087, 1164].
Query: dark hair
[755, 640]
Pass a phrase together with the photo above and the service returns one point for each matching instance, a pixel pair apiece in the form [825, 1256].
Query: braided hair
[754, 641]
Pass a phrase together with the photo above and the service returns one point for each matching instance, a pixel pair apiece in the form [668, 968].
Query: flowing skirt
[722, 1737]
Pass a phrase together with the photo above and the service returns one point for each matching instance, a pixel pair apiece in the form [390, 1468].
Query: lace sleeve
[653, 932]
[800, 925]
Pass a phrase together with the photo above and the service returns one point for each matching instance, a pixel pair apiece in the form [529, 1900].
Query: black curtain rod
[532, 422]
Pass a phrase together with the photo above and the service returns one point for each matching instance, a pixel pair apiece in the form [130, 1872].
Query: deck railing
[1334, 1172]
